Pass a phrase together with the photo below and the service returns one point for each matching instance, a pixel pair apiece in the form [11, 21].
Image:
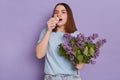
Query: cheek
[65, 19]
[55, 15]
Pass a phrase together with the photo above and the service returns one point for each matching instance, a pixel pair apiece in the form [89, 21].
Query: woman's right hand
[51, 23]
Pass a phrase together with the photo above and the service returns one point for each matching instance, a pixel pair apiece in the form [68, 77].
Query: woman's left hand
[79, 66]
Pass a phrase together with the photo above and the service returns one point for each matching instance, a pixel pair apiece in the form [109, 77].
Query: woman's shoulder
[75, 33]
[43, 30]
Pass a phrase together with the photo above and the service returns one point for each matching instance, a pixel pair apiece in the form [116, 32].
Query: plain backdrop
[21, 22]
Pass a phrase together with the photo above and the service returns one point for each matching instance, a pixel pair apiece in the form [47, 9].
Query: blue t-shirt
[54, 63]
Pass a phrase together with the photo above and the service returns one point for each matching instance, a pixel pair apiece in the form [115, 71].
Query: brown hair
[70, 26]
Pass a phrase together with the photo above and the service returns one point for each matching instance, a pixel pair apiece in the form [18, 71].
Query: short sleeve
[42, 34]
[75, 33]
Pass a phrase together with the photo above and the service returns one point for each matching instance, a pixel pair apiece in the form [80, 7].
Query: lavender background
[22, 20]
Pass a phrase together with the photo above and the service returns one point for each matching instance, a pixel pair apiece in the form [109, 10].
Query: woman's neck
[61, 29]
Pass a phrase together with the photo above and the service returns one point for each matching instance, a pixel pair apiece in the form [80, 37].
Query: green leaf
[73, 41]
[85, 59]
[85, 51]
[91, 45]
[67, 57]
[85, 44]
[62, 51]
[91, 50]
[75, 49]
[79, 52]
[79, 58]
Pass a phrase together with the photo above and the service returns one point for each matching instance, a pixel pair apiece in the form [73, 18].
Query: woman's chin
[60, 25]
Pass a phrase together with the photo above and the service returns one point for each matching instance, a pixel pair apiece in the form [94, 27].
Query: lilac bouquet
[81, 49]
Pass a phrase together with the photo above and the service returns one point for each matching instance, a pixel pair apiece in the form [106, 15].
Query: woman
[56, 66]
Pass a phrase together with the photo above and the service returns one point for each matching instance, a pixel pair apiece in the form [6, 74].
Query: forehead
[60, 7]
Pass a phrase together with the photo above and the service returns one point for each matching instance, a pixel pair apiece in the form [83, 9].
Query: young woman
[56, 66]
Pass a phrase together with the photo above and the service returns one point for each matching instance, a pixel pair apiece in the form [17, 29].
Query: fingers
[52, 22]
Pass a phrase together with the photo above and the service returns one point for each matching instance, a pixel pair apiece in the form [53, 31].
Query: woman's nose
[59, 15]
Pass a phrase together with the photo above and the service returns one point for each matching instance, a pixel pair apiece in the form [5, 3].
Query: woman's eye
[63, 12]
[55, 13]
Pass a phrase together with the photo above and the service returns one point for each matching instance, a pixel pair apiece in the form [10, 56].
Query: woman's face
[61, 13]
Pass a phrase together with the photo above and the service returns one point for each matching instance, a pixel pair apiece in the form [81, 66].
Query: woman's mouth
[60, 19]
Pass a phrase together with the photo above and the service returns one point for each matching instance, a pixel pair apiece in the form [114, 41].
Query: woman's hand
[51, 23]
[79, 66]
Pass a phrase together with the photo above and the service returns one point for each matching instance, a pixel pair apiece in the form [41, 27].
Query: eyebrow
[58, 10]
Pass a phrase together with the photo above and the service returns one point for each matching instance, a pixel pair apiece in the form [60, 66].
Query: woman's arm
[41, 48]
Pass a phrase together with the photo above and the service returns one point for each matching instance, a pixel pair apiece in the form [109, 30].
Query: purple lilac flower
[89, 39]
[70, 52]
[100, 43]
[67, 36]
[92, 62]
[80, 41]
[67, 48]
[71, 57]
[80, 46]
[85, 39]
[96, 54]
[80, 37]
[64, 44]
[94, 36]
[73, 38]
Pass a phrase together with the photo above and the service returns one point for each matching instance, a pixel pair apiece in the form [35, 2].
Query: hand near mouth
[52, 22]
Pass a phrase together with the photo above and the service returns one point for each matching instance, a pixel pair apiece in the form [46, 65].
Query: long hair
[70, 26]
